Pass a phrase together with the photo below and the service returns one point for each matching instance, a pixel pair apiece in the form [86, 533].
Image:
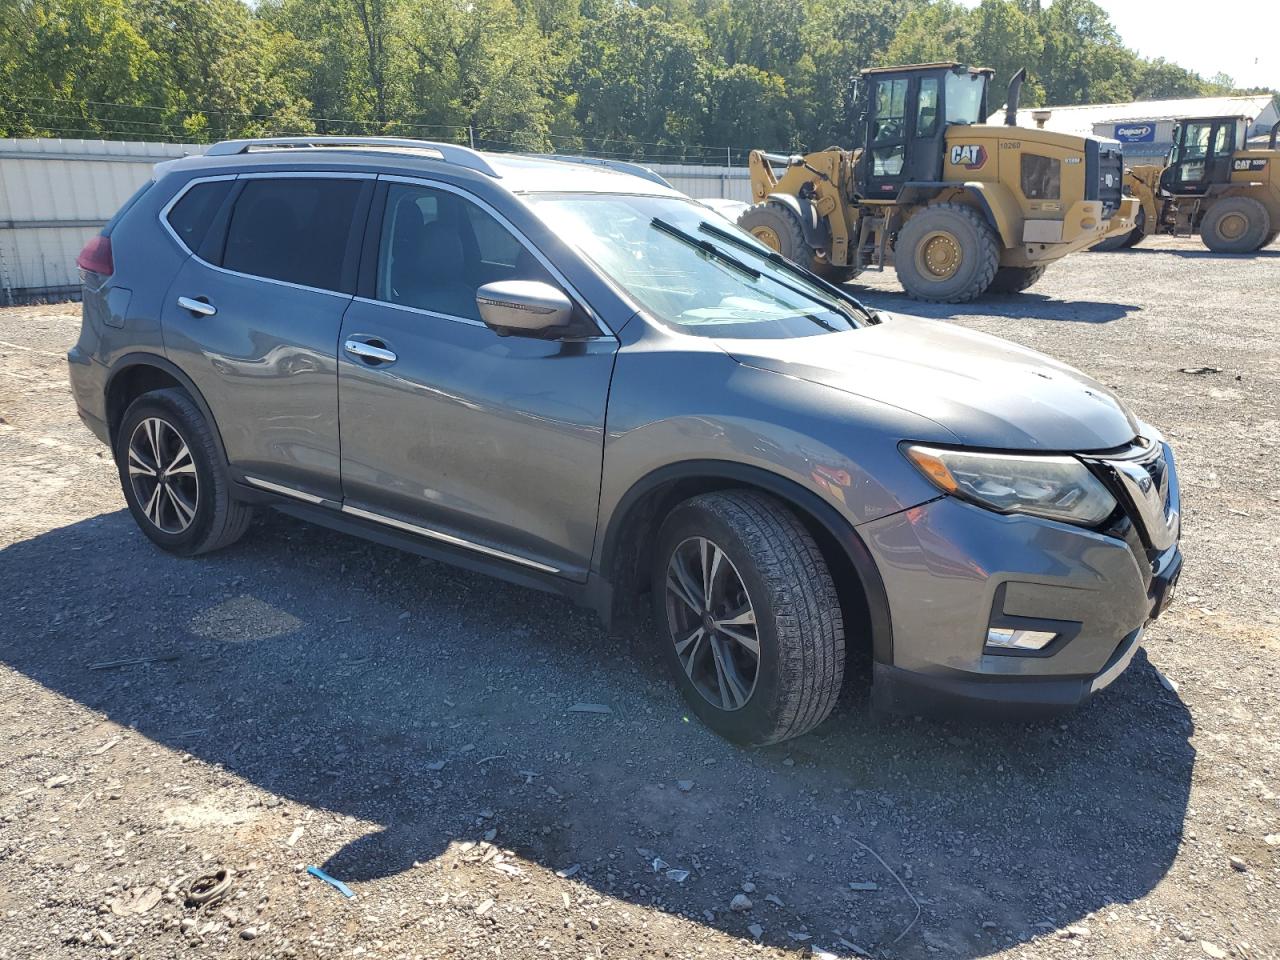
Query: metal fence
[55, 194]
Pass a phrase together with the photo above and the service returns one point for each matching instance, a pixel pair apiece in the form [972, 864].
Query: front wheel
[747, 616]
[778, 229]
[173, 477]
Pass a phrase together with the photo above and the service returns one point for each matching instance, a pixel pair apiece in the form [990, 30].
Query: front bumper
[952, 570]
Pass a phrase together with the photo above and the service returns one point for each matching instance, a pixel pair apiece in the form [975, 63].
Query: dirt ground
[307, 699]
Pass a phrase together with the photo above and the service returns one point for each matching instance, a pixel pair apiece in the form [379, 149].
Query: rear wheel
[747, 616]
[1235, 225]
[778, 229]
[173, 477]
[1015, 279]
[1118, 241]
[1139, 231]
[1270, 238]
[946, 253]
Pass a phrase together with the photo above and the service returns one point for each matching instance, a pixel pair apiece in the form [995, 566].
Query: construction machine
[1213, 184]
[958, 206]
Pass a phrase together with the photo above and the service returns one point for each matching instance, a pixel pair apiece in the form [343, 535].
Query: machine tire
[776, 222]
[1139, 231]
[1119, 241]
[1229, 211]
[1270, 238]
[770, 567]
[969, 233]
[1015, 279]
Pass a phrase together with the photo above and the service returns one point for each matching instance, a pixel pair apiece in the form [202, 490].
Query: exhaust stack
[1015, 94]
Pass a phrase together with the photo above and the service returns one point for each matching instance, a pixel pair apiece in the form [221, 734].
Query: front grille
[1143, 481]
[1110, 179]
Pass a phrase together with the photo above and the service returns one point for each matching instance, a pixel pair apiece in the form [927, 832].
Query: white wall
[56, 194]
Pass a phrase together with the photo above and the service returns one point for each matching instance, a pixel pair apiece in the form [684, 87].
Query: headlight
[1060, 488]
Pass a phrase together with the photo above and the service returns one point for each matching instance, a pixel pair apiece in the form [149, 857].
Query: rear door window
[191, 216]
[296, 229]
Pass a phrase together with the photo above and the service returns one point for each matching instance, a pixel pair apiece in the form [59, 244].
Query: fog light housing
[1011, 638]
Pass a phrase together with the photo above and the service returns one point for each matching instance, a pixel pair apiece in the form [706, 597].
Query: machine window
[1222, 140]
[891, 110]
[191, 216]
[964, 97]
[1041, 177]
[927, 109]
[294, 229]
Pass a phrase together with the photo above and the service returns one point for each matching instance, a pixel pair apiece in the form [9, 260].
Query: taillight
[96, 256]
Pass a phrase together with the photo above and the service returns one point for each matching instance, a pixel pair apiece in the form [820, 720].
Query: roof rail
[449, 152]
[620, 166]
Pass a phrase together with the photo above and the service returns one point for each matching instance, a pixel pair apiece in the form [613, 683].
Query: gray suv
[567, 374]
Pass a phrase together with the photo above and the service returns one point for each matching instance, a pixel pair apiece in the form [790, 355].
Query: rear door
[450, 431]
[254, 318]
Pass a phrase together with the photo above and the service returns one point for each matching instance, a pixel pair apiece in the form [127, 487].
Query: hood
[987, 391]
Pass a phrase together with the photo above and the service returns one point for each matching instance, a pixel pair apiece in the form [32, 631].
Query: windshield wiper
[707, 247]
[779, 260]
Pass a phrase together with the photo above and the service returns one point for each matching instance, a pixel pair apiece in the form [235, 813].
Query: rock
[568, 872]
[187, 925]
[593, 923]
[1077, 932]
[1213, 950]
[484, 908]
[684, 786]
[107, 939]
[741, 903]
[863, 885]
[788, 762]
[590, 708]
[756, 930]
[61, 780]
[1238, 864]
[248, 933]
[775, 900]
[748, 887]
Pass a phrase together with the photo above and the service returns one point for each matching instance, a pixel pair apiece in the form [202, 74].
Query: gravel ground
[304, 699]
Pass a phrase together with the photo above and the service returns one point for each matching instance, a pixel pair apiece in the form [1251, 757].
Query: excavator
[958, 206]
[1212, 184]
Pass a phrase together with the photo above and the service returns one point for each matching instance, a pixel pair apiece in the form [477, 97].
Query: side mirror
[524, 308]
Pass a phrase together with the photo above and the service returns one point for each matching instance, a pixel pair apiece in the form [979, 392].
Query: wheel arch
[137, 373]
[992, 200]
[627, 542]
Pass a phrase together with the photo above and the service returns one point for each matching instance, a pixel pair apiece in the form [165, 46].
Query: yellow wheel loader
[1212, 185]
[959, 207]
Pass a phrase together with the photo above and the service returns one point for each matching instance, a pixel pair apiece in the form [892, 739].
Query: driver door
[489, 443]
[885, 156]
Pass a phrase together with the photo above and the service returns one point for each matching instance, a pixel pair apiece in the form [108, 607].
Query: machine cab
[1201, 154]
[905, 113]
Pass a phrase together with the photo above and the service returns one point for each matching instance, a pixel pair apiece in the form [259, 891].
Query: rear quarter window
[191, 216]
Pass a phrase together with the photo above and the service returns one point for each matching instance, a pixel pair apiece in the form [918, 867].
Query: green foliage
[662, 79]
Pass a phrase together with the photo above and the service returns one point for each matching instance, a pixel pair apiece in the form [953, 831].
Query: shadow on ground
[340, 674]
[1265, 254]
[1021, 306]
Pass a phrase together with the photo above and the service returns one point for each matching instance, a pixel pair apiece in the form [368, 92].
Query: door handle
[200, 307]
[368, 351]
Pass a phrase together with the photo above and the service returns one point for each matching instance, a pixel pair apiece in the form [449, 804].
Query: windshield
[665, 253]
[964, 97]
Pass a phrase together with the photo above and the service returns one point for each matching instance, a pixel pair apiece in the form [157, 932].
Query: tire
[1015, 279]
[778, 228]
[196, 483]
[1235, 225]
[1139, 231]
[1118, 241]
[1270, 238]
[954, 230]
[772, 567]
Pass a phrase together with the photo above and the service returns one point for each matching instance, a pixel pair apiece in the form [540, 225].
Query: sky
[1235, 37]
